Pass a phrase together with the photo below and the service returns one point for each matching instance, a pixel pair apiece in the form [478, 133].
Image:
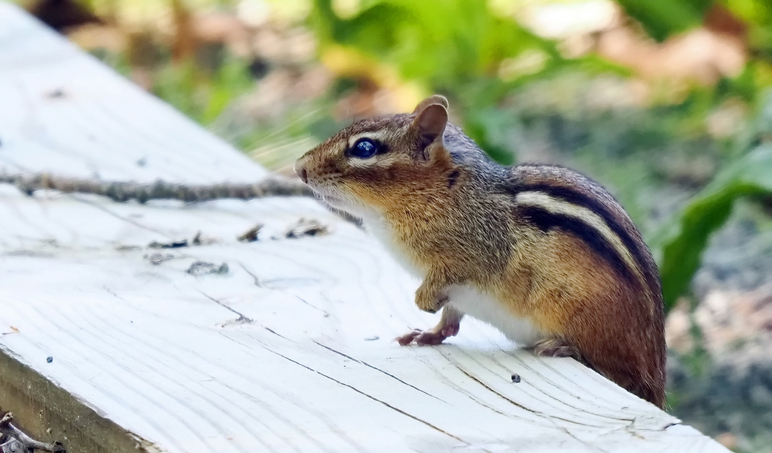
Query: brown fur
[454, 217]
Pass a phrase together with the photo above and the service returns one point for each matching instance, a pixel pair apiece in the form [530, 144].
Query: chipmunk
[540, 252]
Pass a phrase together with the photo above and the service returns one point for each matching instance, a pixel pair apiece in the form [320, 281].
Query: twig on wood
[21, 442]
[125, 191]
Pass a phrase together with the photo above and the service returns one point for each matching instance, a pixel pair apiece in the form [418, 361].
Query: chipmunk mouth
[337, 198]
[341, 202]
[328, 196]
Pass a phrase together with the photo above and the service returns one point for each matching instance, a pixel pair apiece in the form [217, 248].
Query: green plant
[750, 21]
[684, 238]
[437, 42]
[461, 48]
[200, 95]
[663, 19]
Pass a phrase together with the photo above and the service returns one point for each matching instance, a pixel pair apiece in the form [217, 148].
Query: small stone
[515, 378]
[49, 359]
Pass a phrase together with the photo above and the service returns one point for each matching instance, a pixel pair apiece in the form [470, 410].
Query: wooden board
[289, 350]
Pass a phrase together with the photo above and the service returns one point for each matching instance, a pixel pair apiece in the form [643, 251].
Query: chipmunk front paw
[422, 338]
[448, 326]
[430, 300]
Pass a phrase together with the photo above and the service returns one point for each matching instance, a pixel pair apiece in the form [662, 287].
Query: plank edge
[47, 412]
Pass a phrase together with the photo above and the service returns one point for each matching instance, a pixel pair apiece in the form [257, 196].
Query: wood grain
[291, 349]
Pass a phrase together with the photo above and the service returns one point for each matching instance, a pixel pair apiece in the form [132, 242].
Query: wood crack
[367, 395]
[549, 382]
[252, 274]
[241, 318]
[117, 216]
[361, 362]
[511, 401]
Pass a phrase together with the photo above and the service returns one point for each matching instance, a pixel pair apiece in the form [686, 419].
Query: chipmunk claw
[408, 338]
[422, 338]
[554, 347]
[431, 337]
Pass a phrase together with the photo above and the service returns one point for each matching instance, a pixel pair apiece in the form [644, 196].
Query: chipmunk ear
[430, 123]
[436, 99]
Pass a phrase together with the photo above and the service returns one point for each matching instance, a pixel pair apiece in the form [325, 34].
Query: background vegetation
[665, 102]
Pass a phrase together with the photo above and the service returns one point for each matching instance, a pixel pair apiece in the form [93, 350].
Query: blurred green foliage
[461, 48]
[662, 19]
[684, 238]
[426, 40]
[200, 95]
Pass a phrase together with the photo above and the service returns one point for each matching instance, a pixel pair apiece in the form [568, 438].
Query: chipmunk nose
[300, 169]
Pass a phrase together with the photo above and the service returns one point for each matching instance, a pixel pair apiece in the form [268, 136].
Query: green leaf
[373, 29]
[423, 42]
[683, 240]
[487, 127]
[662, 18]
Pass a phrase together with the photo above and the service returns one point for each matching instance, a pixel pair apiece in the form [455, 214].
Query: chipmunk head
[372, 162]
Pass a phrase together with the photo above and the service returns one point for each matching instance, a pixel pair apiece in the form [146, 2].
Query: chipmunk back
[541, 252]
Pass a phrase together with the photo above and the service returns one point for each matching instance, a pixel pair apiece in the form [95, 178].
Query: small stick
[277, 186]
[125, 191]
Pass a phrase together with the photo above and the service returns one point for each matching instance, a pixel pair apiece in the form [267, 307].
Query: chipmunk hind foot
[556, 347]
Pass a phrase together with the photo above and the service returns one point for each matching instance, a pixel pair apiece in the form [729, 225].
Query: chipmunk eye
[364, 148]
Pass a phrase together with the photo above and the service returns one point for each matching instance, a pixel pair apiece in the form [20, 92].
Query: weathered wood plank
[289, 350]
[61, 110]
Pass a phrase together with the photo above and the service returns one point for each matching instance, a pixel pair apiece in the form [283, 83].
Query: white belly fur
[465, 298]
[481, 306]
